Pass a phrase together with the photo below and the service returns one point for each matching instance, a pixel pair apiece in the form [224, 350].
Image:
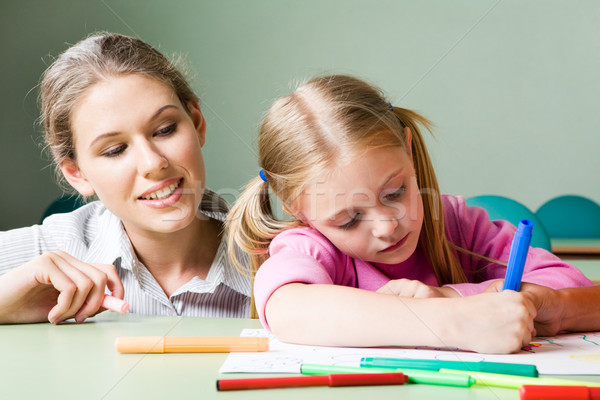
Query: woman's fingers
[113, 282]
[81, 297]
[72, 284]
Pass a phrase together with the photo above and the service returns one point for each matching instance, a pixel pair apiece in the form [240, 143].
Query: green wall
[512, 86]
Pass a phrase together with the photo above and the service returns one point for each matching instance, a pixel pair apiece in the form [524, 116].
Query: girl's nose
[385, 225]
[150, 159]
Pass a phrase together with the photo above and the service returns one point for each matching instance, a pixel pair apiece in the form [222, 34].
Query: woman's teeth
[162, 193]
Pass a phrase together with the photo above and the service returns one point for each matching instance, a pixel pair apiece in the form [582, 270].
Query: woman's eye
[350, 223]
[115, 151]
[166, 131]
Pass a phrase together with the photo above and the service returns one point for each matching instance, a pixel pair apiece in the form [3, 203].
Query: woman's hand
[54, 287]
[416, 289]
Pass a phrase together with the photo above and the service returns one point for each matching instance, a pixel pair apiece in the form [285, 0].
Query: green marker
[435, 365]
[514, 382]
[414, 375]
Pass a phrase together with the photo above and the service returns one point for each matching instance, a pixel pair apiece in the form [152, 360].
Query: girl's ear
[198, 120]
[73, 175]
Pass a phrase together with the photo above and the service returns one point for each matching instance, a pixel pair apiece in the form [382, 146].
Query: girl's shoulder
[453, 204]
[308, 241]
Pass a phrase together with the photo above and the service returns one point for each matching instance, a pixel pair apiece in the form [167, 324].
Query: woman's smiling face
[140, 151]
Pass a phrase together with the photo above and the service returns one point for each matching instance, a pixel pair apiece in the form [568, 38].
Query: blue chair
[63, 204]
[500, 207]
[571, 216]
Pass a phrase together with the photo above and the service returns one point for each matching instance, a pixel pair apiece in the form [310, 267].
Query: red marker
[544, 392]
[386, 378]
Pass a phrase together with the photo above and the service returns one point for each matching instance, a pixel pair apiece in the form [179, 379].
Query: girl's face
[369, 208]
[140, 151]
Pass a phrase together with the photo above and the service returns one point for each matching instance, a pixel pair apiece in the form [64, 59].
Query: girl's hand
[494, 322]
[546, 301]
[414, 288]
[54, 287]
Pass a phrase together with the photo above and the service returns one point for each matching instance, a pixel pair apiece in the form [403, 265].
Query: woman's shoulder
[83, 224]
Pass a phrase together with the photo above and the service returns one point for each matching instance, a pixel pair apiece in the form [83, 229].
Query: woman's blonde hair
[94, 59]
[305, 134]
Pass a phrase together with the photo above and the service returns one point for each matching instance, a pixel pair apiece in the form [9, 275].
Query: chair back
[500, 207]
[63, 204]
[571, 216]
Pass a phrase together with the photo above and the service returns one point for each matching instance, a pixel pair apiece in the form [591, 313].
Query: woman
[123, 125]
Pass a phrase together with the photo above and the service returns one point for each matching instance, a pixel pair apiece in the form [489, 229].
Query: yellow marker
[515, 382]
[191, 344]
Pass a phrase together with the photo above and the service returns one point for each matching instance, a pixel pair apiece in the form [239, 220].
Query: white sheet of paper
[569, 354]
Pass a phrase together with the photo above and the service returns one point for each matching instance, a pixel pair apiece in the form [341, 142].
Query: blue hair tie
[261, 173]
[390, 106]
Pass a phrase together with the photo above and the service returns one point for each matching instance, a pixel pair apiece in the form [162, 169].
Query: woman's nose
[150, 159]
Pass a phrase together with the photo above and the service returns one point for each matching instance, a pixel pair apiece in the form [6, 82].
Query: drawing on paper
[569, 354]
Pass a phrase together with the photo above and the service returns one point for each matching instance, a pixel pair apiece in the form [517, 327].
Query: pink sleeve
[298, 255]
[470, 228]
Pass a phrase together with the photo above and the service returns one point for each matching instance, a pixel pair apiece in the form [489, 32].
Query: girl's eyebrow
[152, 118]
[392, 175]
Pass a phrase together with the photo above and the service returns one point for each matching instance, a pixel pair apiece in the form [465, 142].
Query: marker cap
[115, 304]
[142, 344]
[518, 254]
[545, 392]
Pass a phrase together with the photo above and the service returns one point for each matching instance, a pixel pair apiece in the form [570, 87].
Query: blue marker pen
[518, 254]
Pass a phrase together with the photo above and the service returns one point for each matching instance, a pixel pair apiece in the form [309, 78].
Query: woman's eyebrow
[160, 110]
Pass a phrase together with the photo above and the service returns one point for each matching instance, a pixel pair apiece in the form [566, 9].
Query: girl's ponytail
[250, 226]
[433, 238]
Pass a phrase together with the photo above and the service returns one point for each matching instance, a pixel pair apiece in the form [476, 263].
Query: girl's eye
[350, 223]
[114, 152]
[166, 131]
[395, 194]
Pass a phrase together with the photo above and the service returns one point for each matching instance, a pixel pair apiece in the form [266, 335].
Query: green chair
[571, 216]
[63, 204]
[500, 207]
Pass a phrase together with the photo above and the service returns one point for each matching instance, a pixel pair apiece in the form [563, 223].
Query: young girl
[374, 255]
[123, 124]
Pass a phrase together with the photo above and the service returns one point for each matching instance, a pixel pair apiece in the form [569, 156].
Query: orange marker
[207, 344]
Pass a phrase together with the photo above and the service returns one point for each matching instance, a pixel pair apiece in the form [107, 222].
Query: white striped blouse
[93, 234]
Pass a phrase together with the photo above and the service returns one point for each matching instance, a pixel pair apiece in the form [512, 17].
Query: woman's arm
[335, 315]
[574, 309]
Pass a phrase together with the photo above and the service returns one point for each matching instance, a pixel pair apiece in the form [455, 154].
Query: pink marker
[115, 304]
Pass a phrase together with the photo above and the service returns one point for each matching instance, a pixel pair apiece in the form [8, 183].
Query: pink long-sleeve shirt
[304, 255]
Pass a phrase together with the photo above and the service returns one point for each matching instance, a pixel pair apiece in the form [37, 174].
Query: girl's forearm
[341, 316]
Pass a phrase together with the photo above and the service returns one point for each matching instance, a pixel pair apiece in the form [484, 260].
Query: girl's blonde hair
[304, 135]
[94, 59]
